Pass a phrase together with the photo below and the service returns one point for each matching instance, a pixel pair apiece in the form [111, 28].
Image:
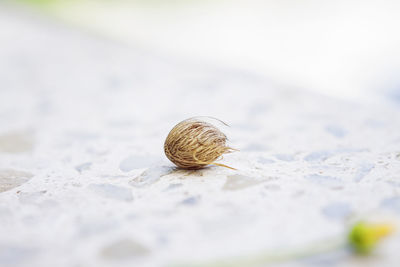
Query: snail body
[194, 144]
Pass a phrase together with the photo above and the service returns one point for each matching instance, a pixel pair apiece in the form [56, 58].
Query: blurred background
[346, 49]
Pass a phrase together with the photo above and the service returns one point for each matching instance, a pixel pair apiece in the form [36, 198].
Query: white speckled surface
[84, 181]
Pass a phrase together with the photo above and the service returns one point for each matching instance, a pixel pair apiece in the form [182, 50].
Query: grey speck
[273, 187]
[255, 147]
[124, 249]
[14, 255]
[394, 95]
[318, 155]
[112, 191]
[95, 227]
[190, 201]
[336, 131]
[285, 157]
[30, 197]
[136, 162]
[338, 210]
[150, 176]
[324, 180]
[263, 160]
[363, 170]
[83, 167]
[392, 203]
[172, 187]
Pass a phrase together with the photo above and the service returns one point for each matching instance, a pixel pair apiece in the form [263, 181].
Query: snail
[194, 144]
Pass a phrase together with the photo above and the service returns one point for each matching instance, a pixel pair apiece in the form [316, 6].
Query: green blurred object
[39, 2]
[115, 2]
[363, 237]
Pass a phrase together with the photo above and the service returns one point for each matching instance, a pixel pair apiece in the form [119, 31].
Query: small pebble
[124, 249]
[238, 182]
[10, 179]
[84, 166]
